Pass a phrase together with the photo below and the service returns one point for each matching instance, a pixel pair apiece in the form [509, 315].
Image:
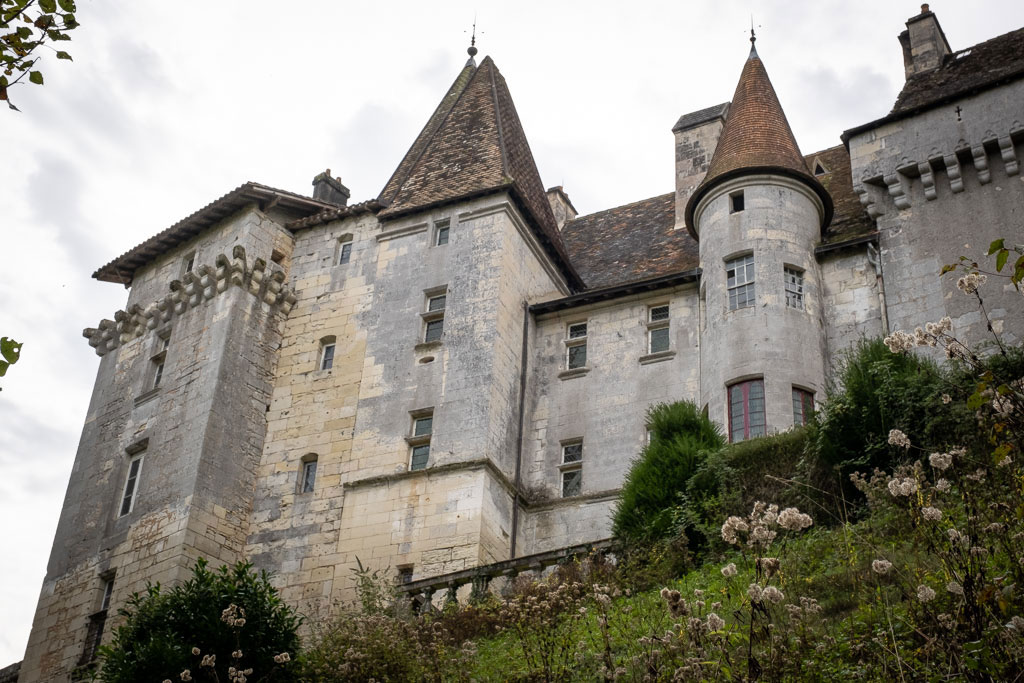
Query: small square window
[345, 251]
[572, 452]
[736, 202]
[658, 313]
[441, 229]
[577, 330]
[423, 426]
[435, 330]
[659, 339]
[405, 573]
[794, 287]
[420, 455]
[572, 482]
[436, 303]
[308, 474]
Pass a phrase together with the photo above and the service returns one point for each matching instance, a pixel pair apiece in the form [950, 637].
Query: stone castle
[457, 372]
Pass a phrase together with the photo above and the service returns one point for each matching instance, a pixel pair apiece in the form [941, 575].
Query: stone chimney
[924, 43]
[330, 190]
[561, 205]
[696, 136]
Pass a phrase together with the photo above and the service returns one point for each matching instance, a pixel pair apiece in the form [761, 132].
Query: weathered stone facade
[279, 356]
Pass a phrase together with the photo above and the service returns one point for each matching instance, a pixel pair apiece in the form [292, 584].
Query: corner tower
[758, 215]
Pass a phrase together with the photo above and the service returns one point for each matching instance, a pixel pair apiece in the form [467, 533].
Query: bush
[681, 438]
[877, 391]
[232, 613]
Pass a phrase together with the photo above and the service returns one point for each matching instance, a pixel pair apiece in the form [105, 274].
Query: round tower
[758, 215]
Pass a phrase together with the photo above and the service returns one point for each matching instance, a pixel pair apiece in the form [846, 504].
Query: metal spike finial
[472, 44]
[753, 39]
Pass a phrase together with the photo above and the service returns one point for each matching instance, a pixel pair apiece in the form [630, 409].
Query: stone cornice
[202, 284]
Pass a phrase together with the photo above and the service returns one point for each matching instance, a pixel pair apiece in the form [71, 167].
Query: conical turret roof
[474, 145]
[756, 138]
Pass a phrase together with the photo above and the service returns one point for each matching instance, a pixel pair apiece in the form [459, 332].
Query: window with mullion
[794, 287]
[576, 346]
[746, 410]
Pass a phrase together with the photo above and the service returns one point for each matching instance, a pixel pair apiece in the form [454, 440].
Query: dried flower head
[969, 283]
[185, 675]
[729, 570]
[794, 520]
[715, 622]
[942, 485]
[925, 594]
[282, 658]
[940, 461]
[946, 399]
[931, 514]
[196, 651]
[898, 438]
[881, 567]
[955, 588]
[754, 592]
[773, 595]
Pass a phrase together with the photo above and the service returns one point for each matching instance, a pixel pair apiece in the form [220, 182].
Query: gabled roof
[630, 243]
[122, 269]
[756, 138]
[983, 66]
[473, 145]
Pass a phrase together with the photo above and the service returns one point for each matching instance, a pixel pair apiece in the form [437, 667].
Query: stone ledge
[574, 373]
[147, 396]
[657, 357]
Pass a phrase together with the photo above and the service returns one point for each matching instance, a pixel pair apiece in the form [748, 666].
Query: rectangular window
[345, 251]
[108, 592]
[736, 202]
[434, 317]
[571, 468]
[422, 429]
[404, 574]
[158, 375]
[308, 474]
[93, 636]
[441, 233]
[794, 287]
[746, 410]
[327, 356]
[803, 406]
[576, 346]
[131, 485]
[189, 263]
[657, 329]
[740, 281]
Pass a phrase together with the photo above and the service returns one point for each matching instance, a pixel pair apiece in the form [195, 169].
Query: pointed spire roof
[474, 145]
[756, 138]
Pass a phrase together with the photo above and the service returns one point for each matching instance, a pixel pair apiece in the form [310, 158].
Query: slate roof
[696, 118]
[629, 243]
[756, 138]
[849, 221]
[638, 242]
[472, 145]
[122, 269]
[976, 68]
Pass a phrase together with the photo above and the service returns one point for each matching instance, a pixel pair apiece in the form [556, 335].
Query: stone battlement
[197, 286]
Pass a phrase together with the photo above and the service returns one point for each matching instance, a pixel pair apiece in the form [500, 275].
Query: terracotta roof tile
[756, 138]
[474, 144]
[629, 243]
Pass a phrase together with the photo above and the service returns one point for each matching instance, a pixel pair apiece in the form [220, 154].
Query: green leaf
[975, 401]
[48, 6]
[10, 350]
[36, 77]
[67, 5]
[948, 268]
[1001, 259]
[64, 55]
[995, 246]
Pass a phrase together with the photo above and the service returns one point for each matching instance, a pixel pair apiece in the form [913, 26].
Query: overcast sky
[169, 105]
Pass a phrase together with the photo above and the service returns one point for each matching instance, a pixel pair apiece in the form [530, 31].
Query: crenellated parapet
[938, 165]
[200, 285]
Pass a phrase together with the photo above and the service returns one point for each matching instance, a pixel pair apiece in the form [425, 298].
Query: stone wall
[942, 184]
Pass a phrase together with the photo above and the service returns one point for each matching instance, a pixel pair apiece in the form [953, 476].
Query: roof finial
[472, 45]
[753, 39]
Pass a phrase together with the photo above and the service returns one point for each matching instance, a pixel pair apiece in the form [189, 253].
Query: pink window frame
[745, 386]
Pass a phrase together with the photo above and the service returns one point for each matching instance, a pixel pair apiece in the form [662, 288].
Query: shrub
[681, 437]
[232, 613]
[878, 391]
